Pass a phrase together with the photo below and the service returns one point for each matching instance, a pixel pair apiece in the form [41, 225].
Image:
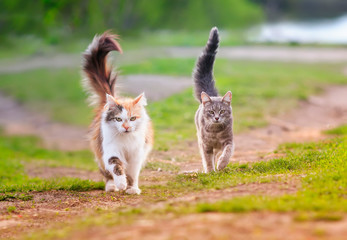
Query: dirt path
[271, 53]
[256, 53]
[153, 85]
[17, 120]
[256, 225]
[304, 123]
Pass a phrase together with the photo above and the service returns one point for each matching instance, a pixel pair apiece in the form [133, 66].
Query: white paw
[121, 182]
[133, 191]
[110, 187]
[222, 163]
[221, 167]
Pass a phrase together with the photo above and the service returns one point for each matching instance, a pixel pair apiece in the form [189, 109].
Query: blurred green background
[34, 32]
[36, 27]
[57, 19]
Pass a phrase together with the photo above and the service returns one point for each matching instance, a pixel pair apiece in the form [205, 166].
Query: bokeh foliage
[64, 17]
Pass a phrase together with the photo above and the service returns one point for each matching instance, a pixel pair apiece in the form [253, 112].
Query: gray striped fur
[214, 118]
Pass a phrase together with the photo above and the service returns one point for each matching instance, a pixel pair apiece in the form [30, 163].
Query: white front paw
[121, 182]
[110, 187]
[222, 162]
[133, 190]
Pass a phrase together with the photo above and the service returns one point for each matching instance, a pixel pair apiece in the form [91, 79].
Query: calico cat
[121, 135]
[213, 119]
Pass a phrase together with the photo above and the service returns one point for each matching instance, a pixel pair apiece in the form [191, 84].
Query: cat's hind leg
[224, 159]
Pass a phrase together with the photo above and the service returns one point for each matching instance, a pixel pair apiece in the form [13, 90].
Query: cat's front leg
[133, 172]
[207, 158]
[224, 159]
[117, 169]
[109, 183]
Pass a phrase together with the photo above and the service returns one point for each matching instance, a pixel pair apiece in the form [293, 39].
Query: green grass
[18, 47]
[259, 89]
[11, 209]
[23, 183]
[14, 47]
[323, 185]
[165, 38]
[338, 131]
[320, 168]
[28, 149]
[300, 159]
[18, 152]
[57, 93]
[20, 196]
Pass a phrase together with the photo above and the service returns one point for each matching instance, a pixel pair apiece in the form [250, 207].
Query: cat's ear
[110, 101]
[141, 99]
[205, 98]
[227, 97]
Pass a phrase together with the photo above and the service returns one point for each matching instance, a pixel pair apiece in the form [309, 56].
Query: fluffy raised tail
[203, 73]
[100, 79]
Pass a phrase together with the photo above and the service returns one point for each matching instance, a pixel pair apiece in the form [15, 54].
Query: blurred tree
[313, 9]
[59, 17]
[302, 9]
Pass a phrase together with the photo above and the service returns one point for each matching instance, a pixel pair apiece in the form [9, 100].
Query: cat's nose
[125, 126]
[217, 118]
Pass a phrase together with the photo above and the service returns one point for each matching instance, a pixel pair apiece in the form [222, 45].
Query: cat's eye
[211, 112]
[222, 111]
[132, 118]
[118, 119]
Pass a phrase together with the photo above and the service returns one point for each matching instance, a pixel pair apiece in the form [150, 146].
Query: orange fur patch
[132, 108]
[95, 137]
[150, 134]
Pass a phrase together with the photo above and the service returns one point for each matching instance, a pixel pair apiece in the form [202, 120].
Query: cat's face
[217, 110]
[125, 115]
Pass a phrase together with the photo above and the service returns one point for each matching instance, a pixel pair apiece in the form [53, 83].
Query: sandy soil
[256, 225]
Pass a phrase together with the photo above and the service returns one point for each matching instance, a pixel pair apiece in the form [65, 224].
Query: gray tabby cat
[213, 119]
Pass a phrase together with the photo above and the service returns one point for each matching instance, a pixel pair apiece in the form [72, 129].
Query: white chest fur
[124, 145]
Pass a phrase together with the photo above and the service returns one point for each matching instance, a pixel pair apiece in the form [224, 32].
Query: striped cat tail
[203, 72]
[99, 79]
